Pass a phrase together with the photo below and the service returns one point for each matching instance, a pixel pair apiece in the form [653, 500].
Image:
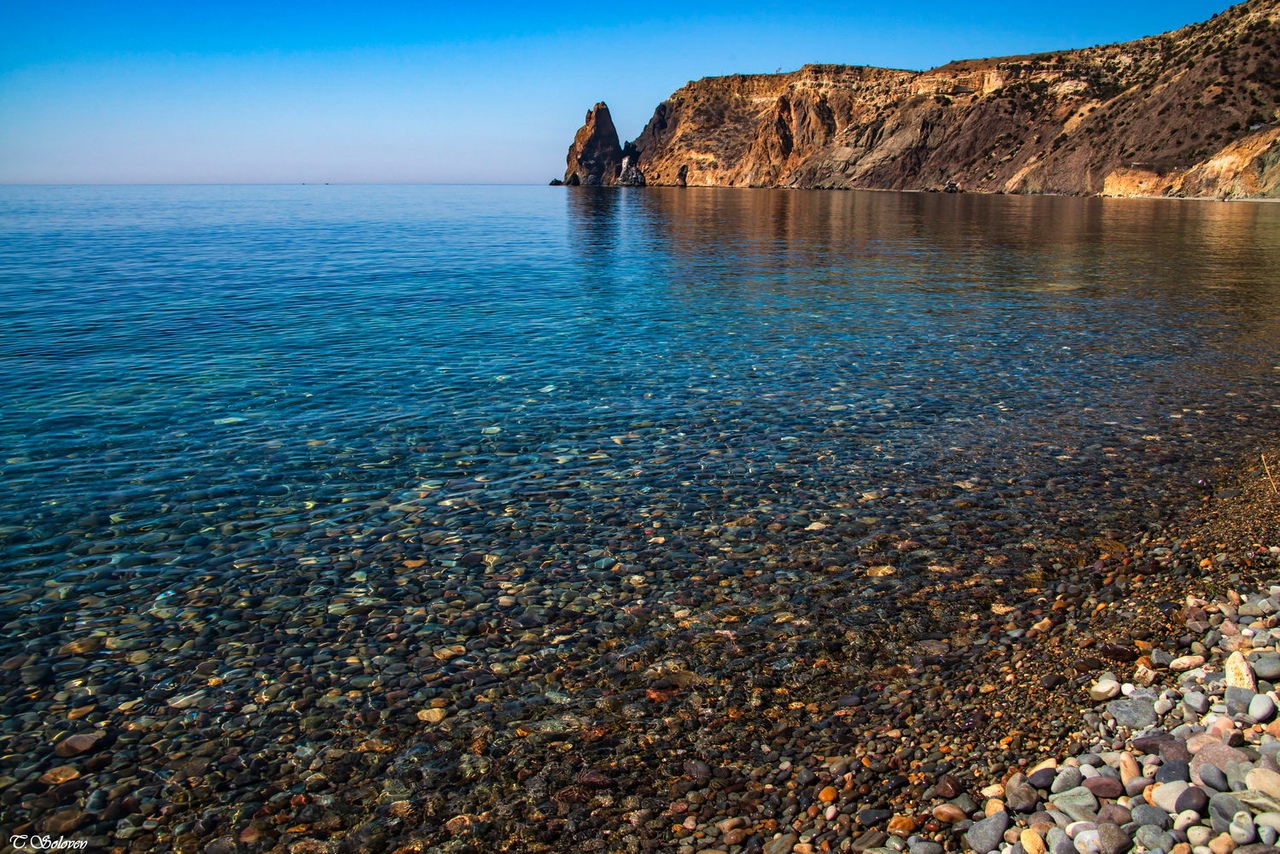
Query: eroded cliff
[1193, 112]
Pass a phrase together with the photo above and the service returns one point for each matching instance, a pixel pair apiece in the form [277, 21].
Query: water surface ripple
[232, 414]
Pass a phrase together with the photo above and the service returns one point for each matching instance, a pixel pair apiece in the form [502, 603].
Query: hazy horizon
[338, 93]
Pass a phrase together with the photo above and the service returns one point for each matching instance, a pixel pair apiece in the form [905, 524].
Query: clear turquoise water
[200, 379]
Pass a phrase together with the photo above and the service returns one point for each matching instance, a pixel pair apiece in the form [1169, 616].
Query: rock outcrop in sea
[1194, 112]
[595, 158]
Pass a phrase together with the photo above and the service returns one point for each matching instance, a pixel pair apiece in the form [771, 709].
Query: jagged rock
[595, 157]
[631, 175]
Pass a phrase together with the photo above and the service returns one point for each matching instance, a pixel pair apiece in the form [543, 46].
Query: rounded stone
[1104, 787]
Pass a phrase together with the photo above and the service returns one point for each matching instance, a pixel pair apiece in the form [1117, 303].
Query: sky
[189, 91]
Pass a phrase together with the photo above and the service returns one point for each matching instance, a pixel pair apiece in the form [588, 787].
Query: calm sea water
[203, 383]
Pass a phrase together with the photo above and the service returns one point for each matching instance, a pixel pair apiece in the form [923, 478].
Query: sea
[393, 434]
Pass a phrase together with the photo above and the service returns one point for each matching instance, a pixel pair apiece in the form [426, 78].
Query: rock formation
[1194, 112]
[595, 158]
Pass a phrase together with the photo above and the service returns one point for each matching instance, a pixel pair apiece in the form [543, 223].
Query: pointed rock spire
[595, 158]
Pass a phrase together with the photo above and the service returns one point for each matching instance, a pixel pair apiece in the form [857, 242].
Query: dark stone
[870, 817]
[1172, 770]
[1020, 795]
[1104, 787]
[595, 157]
[1212, 776]
[1151, 837]
[1194, 798]
[948, 787]
[865, 842]
[1150, 742]
[1115, 652]
[1043, 778]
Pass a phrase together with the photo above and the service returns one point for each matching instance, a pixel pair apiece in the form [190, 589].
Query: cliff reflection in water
[988, 321]
[1178, 264]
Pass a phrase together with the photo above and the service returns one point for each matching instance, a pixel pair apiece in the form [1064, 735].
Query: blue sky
[340, 91]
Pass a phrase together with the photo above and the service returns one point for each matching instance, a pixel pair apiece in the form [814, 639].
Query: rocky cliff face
[595, 158]
[1193, 112]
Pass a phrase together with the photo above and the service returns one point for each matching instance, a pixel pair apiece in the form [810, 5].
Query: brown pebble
[828, 794]
[81, 646]
[948, 787]
[58, 776]
[1222, 844]
[950, 813]
[1032, 842]
[64, 822]
[74, 745]
[902, 825]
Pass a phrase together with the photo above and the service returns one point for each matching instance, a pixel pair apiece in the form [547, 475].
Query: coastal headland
[1190, 113]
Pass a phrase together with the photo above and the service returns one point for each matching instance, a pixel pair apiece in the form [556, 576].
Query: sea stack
[595, 157]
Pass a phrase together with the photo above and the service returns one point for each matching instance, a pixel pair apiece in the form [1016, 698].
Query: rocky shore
[1117, 699]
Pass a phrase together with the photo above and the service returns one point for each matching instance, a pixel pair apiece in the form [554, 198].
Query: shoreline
[824, 730]
[1264, 200]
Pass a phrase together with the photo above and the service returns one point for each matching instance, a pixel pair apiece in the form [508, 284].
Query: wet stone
[782, 844]
[1043, 778]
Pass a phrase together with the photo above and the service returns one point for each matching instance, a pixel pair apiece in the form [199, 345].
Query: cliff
[1188, 113]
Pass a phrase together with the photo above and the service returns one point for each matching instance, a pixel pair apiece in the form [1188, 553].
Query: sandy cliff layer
[1193, 112]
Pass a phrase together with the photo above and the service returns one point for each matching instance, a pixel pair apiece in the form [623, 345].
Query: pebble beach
[909, 548]
[1124, 703]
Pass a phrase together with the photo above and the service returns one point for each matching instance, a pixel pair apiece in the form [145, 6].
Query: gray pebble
[1068, 778]
[1153, 816]
[1213, 777]
[986, 835]
[1262, 708]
